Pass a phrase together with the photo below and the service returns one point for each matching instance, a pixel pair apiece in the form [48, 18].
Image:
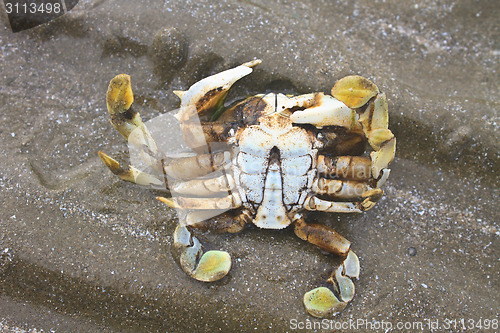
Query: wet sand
[85, 252]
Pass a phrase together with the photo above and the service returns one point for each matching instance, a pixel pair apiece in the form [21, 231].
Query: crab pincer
[207, 267]
[322, 302]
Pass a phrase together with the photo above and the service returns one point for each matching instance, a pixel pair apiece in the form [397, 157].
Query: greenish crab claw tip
[321, 302]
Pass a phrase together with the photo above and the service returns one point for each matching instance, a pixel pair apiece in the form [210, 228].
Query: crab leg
[212, 265]
[355, 92]
[322, 110]
[370, 198]
[346, 167]
[196, 166]
[375, 126]
[130, 173]
[357, 182]
[204, 187]
[127, 121]
[207, 267]
[321, 302]
[231, 201]
[357, 168]
[342, 189]
[315, 204]
[322, 236]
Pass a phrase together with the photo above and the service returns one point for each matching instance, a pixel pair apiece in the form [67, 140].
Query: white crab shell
[266, 153]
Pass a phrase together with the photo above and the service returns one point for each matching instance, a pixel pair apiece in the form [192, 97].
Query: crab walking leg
[321, 302]
[313, 203]
[369, 197]
[345, 167]
[130, 173]
[212, 265]
[128, 122]
[355, 92]
[357, 168]
[322, 236]
[179, 169]
[191, 167]
[229, 202]
[204, 187]
[375, 122]
[341, 189]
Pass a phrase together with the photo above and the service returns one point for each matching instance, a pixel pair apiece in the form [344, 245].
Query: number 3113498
[33, 8]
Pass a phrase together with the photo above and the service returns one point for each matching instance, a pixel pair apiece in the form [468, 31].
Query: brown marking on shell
[276, 121]
[210, 100]
[338, 141]
[246, 111]
[218, 131]
[366, 120]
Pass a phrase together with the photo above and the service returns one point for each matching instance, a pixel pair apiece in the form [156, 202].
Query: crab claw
[323, 110]
[207, 267]
[209, 94]
[322, 302]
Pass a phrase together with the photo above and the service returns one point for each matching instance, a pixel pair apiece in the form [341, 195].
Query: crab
[266, 160]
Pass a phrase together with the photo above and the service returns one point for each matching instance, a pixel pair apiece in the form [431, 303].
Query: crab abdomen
[274, 172]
